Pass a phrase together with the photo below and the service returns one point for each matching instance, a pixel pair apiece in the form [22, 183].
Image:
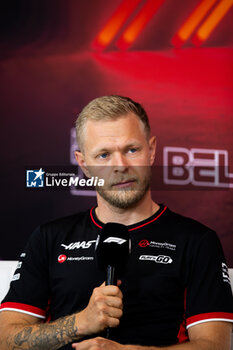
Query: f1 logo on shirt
[114, 240]
[62, 258]
[161, 259]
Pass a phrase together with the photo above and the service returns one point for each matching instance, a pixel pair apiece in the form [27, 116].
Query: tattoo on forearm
[48, 336]
[23, 336]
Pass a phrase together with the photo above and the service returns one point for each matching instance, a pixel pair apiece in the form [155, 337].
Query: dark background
[50, 69]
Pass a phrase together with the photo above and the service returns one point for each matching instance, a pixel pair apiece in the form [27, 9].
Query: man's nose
[120, 162]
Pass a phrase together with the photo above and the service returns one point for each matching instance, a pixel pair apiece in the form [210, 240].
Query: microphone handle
[111, 276]
[110, 280]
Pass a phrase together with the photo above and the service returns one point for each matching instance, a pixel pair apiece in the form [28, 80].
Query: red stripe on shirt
[92, 218]
[183, 334]
[23, 307]
[134, 228]
[209, 316]
[146, 223]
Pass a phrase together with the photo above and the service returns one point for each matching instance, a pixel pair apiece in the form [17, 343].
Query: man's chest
[152, 270]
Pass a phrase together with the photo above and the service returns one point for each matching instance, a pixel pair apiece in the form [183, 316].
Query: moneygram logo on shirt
[39, 178]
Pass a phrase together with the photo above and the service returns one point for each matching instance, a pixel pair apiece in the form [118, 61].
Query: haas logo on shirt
[78, 245]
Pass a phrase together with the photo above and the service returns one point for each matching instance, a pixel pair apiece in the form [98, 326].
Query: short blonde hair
[109, 108]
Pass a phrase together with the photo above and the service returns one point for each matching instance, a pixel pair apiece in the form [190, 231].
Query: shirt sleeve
[29, 288]
[209, 294]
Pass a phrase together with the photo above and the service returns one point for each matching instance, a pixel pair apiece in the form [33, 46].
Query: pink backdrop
[50, 68]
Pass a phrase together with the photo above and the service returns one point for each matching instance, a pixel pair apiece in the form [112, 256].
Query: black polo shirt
[176, 276]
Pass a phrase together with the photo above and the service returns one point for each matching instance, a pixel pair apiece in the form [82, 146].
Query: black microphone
[112, 250]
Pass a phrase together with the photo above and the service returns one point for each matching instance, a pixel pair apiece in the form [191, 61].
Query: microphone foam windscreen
[112, 246]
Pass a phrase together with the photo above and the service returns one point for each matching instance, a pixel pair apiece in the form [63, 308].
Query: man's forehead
[130, 120]
[104, 134]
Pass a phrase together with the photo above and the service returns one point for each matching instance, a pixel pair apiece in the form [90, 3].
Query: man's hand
[103, 310]
[21, 331]
[97, 344]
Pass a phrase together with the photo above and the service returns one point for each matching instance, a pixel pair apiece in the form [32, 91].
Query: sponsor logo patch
[225, 273]
[144, 243]
[114, 240]
[80, 258]
[78, 245]
[62, 258]
[160, 259]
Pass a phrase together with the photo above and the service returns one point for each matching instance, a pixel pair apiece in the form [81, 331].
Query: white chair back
[7, 269]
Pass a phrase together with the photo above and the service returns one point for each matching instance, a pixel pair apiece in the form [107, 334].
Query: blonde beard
[123, 199]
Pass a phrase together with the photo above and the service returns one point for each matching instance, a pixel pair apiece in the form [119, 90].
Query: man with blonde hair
[174, 292]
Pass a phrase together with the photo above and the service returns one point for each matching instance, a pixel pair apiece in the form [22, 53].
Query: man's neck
[105, 212]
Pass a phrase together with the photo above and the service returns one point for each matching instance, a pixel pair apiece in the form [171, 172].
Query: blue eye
[132, 150]
[103, 155]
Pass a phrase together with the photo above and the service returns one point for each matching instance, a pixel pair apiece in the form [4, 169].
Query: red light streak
[113, 25]
[139, 23]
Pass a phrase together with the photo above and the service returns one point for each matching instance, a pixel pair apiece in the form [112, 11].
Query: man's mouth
[124, 184]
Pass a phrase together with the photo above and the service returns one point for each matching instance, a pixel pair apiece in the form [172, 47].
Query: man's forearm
[45, 336]
[192, 345]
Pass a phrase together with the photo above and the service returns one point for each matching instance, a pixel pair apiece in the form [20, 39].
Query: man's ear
[79, 156]
[152, 148]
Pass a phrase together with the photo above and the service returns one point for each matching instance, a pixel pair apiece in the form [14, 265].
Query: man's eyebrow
[100, 150]
[133, 144]
[106, 148]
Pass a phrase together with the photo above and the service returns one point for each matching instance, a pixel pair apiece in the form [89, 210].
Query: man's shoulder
[188, 226]
[47, 238]
[63, 225]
